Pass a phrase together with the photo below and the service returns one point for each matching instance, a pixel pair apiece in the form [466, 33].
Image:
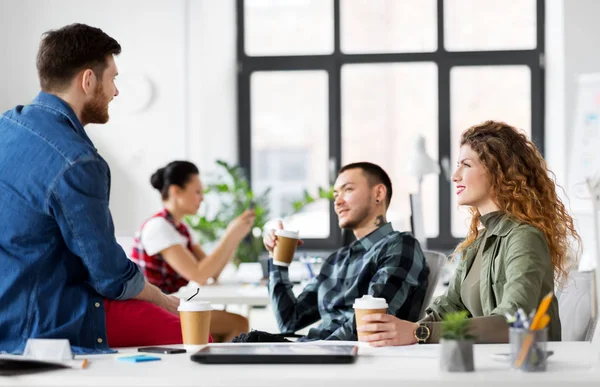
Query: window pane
[384, 107]
[291, 27]
[477, 94]
[489, 25]
[382, 26]
[290, 144]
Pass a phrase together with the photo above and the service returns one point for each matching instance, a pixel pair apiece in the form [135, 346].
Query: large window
[323, 83]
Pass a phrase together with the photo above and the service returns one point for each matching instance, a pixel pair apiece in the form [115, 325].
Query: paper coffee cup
[285, 248]
[195, 323]
[368, 305]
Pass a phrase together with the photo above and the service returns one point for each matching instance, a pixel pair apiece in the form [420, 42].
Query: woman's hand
[390, 330]
[270, 239]
[241, 226]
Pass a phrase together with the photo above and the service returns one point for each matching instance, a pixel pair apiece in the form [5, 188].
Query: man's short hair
[375, 175]
[70, 49]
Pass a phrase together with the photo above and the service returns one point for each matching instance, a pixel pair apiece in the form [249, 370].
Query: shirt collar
[62, 107]
[371, 239]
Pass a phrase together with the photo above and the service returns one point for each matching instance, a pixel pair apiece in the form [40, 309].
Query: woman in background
[168, 253]
[516, 247]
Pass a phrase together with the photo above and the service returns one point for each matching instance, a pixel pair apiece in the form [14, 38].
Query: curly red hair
[522, 186]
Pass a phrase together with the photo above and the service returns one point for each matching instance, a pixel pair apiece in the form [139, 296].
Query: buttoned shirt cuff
[278, 273]
[134, 286]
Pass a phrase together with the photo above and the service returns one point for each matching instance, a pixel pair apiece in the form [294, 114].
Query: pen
[311, 275]
[510, 319]
[522, 321]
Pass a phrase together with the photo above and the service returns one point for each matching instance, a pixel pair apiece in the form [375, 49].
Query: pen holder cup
[528, 349]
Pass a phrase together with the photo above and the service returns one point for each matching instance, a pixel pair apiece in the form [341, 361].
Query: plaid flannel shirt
[385, 263]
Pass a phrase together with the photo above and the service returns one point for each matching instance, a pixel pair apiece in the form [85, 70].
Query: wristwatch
[422, 333]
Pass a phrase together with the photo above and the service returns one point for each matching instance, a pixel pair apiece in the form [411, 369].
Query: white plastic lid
[370, 302]
[288, 234]
[194, 306]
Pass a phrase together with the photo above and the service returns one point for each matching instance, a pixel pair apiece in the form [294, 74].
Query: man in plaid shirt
[381, 262]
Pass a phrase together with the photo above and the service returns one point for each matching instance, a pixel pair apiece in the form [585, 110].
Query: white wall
[185, 47]
[572, 38]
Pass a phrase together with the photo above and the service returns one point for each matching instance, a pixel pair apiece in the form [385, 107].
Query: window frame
[333, 63]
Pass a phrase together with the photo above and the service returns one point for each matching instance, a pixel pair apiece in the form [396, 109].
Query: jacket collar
[498, 223]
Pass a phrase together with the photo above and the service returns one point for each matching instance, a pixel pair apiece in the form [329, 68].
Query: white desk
[242, 294]
[250, 295]
[240, 287]
[571, 365]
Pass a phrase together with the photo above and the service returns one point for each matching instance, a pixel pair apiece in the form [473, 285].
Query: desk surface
[243, 294]
[251, 295]
[574, 363]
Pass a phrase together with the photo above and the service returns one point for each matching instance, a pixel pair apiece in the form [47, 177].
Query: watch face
[422, 332]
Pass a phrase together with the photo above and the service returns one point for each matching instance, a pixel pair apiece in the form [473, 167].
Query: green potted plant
[230, 195]
[456, 345]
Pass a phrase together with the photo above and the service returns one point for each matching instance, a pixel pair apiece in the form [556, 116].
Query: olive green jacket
[516, 272]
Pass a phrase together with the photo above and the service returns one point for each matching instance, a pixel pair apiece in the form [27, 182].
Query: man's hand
[152, 294]
[390, 330]
[170, 304]
[270, 239]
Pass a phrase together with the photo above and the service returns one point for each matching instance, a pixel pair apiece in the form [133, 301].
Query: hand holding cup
[270, 239]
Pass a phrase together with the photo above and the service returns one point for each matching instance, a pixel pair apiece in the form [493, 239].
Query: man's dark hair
[375, 175]
[70, 49]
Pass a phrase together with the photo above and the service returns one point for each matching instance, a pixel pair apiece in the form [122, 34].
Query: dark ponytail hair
[175, 173]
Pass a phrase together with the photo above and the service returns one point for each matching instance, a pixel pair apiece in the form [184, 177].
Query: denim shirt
[58, 254]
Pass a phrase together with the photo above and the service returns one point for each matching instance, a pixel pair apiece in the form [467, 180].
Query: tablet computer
[276, 354]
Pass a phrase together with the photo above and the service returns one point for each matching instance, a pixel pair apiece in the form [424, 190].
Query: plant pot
[456, 355]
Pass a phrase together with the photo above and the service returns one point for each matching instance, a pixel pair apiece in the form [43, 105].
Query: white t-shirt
[158, 234]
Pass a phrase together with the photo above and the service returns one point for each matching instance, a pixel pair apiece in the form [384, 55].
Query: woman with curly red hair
[516, 247]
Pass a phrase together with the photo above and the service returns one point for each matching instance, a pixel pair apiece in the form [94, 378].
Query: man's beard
[361, 215]
[95, 111]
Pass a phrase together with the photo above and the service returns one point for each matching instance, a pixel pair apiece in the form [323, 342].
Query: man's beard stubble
[95, 111]
[361, 215]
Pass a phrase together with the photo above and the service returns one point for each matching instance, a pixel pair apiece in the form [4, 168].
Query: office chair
[436, 262]
[575, 307]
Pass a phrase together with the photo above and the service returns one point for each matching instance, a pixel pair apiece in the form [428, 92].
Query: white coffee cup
[369, 302]
[195, 323]
[285, 248]
[368, 305]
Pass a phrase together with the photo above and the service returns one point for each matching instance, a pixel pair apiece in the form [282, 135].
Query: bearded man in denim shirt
[61, 266]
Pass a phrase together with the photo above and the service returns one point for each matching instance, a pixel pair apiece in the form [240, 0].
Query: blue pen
[521, 319]
[311, 275]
